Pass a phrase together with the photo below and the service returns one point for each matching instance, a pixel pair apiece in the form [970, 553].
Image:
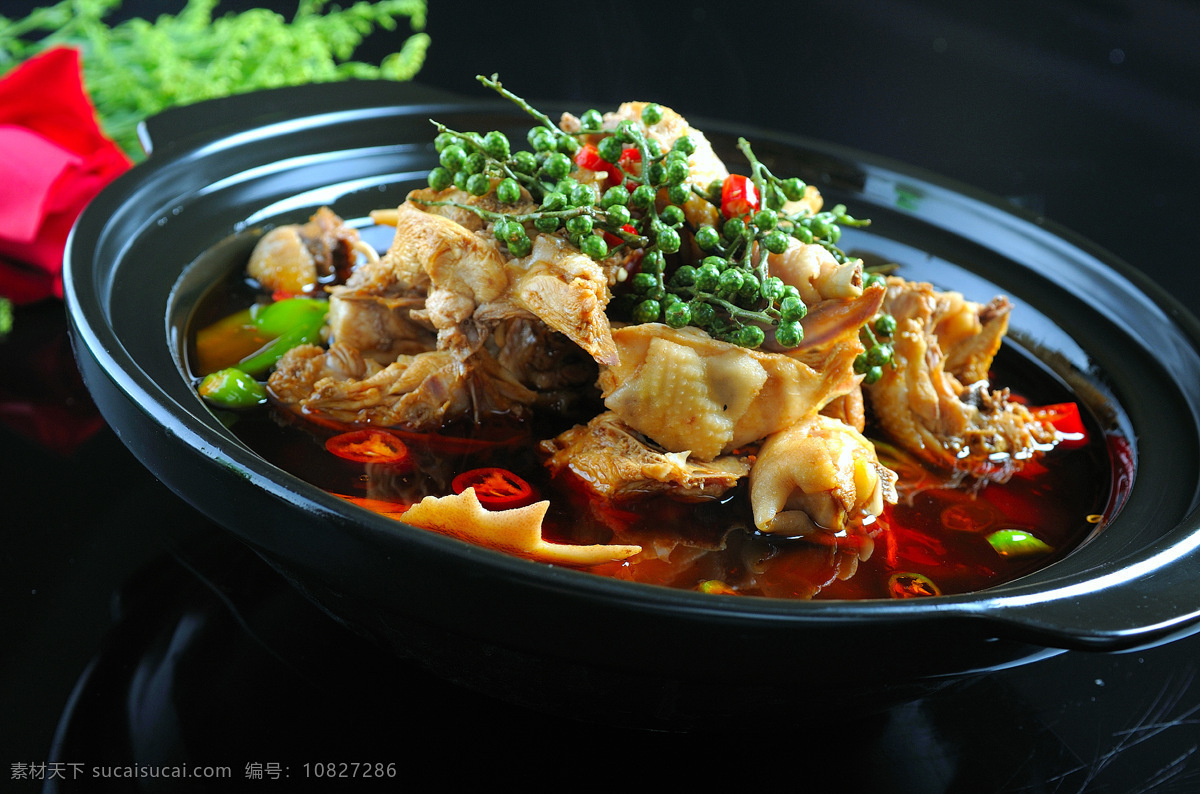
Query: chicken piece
[563, 288]
[616, 462]
[420, 392]
[935, 401]
[819, 473]
[517, 531]
[467, 277]
[812, 270]
[295, 258]
[690, 392]
[378, 326]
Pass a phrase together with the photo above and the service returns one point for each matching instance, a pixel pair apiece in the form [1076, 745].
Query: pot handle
[1122, 607]
[194, 124]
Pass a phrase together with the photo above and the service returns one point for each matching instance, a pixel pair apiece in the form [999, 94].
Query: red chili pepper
[630, 162]
[738, 196]
[496, 488]
[613, 240]
[589, 157]
[369, 445]
[1064, 418]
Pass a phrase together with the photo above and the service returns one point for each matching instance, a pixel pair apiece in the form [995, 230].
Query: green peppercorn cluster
[877, 354]
[726, 290]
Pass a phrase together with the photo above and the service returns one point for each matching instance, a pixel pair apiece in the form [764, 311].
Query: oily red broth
[933, 541]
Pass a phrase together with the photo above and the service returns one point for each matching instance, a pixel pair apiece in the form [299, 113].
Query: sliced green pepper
[1017, 543]
[292, 321]
[231, 388]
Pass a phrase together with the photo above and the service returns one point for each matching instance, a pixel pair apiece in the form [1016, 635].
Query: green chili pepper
[292, 321]
[1017, 543]
[232, 388]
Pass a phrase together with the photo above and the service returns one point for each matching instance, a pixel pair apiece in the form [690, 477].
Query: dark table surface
[136, 632]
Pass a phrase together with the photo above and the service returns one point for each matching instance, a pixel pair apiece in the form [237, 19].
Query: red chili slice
[369, 445]
[1065, 418]
[738, 196]
[496, 488]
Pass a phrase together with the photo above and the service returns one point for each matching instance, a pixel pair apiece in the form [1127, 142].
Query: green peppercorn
[879, 355]
[677, 315]
[580, 224]
[789, 334]
[524, 162]
[591, 120]
[750, 336]
[542, 139]
[475, 163]
[874, 280]
[546, 224]
[820, 225]
[627, 132]
[495, 143]
[751, 289]
[684, 276]
[618, 215]
[616, 196]
[593, 245]
[860, 364]
[772, 288]
[793, 189]
[642, 197]
[460, 179]
[766, 220]
[792, 308]
[672, 215]
[520, 247]
[648, 311]
[557, 165]
[872, 375]
[730, 282]
[679, 194]
[443, 140]
[653, 261]
[668, 240]
[452, 157]
[707, 277]
[734, 229]
[652, 114]
[554, 201]
[775, 241]
[719, 262]
[642, 282]
[677, 172]
[610, 149]
[802, 232]
[478, 184]
[440, 178]
[685, 144]
[583, 195]
[656, 173]
[885, 325]
[703, 314]
[707, 237]
[654, 149]
[508, 191]
[568, 145]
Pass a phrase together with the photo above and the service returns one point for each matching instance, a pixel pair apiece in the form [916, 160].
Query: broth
[934, 540]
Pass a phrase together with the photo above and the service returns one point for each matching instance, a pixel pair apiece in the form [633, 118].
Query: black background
[1085, 113]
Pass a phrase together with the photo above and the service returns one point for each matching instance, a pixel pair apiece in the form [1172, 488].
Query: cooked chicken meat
[935, 401]
[617, 462]
[818, 474]
[297, 257]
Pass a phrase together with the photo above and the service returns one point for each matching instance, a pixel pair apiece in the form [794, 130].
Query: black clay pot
[148, 248]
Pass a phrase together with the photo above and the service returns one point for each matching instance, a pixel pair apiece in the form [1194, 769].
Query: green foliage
[139, 67]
